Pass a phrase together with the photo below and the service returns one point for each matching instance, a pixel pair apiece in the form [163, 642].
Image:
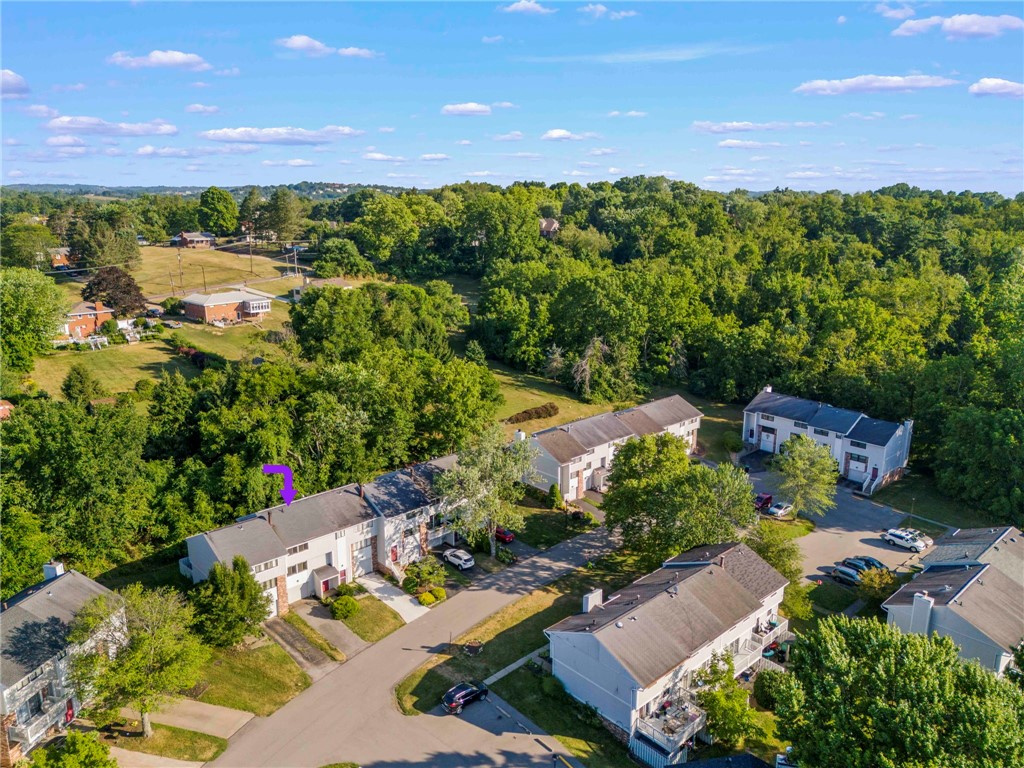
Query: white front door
[767, 440]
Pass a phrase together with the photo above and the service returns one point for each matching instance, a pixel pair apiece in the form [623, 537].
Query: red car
[762, 502]
[505, 537]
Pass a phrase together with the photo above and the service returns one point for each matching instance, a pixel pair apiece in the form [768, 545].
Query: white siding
[201, 556]
[973, 644]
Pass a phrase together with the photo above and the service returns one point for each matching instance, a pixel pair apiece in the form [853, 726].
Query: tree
[76, 750]
[80, 386]
[230, 604]
[730, 718]
[251, 211]
[877, 585]
[283, 214]
[555, 500]
[25, 547]
[664, 504]
[483, 488]
[26, 245]
[218, 212]
[1016, 672]
[34, 309]
[771, 542]
[140, 651]
[863, 694]
[809, 475]
[385, 228]
[341, 257]
[117, 289]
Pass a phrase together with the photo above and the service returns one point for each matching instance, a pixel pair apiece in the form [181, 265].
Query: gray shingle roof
[669, 410]
[563, 446]
[218, 299]
[251, 537]
[823, 416]
[318, 515]
[873, 431]
[941, 584]
[1003, 546]
[34, 626]
[405, 490]
[669, 614]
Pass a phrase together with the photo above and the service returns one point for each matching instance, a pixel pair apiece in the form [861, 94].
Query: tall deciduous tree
[117, 289]
[862, 694]
[730, 717]
[808, 474]
[26, 245]
[230, 604]
[251, 211]
[218, 212]
[664, 504]
[143, 651]
[75, 750]
[771, 542]
[33, 310]
[482, 490]
[25, 546]
[283, 214]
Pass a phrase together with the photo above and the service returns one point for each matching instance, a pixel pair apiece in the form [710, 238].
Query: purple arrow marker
[287, 493]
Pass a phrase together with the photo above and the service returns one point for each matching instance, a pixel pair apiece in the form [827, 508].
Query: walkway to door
[407, 606]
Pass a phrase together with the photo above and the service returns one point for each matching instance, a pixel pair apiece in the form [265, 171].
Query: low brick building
[85, 319]
[194, 240]
[229, 306]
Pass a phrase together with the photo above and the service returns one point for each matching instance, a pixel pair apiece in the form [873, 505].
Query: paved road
[351, 713]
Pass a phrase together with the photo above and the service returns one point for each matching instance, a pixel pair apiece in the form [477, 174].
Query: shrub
[475, 352]
[506, 555]
[144, 388]
[173, 306]
[766, 684]
[109, 327]
[732, 442]
[348, 590]
[427, 599]
[551, 685]
[439, 594]
[544, 411]
[344, 607]
[555, 500]
[428, 571]
[410, 584]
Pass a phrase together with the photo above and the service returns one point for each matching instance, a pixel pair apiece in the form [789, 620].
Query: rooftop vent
[619, 624]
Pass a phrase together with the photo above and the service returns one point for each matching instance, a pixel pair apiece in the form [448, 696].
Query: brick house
[194, 240]
[549, 228]
[232, 305]
[85, 319]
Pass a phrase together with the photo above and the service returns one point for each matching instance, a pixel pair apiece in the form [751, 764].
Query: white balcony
[752, 648]
[671, 727]
[29, 734]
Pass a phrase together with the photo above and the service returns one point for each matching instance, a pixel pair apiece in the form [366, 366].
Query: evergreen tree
[230, 604]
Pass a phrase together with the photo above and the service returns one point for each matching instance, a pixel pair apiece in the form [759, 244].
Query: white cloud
[841, 20]
[736, 126]
[575, 172]
[758, 158]
[305, 44]
[805, 175]
[83, 124]
[467, 108]
[602, 151]
[112, 152]
[510, 136]
[296, 163]
[404, 176]
[464, 142]
[739, 144]
[386, 129]
[69, 87]
[64, 140]
[190, 61]
[435, 156]
[630, 113]
[228, 72]
[381, 157]
[613, 169]
[994, 86]
[491, 40]
[525, 155]
[148, 150]
[648, 55]
[12, 143]
[902, 12]
[287, 135]
[668, 174]
[619, 15]
[594, 10]
[504, 105]
[483, 173]
[806, 143]
[909, 117]
[560, 134]
[40, 110]
[587, 164]
[869, 116]
[202, 109]
[962, 26]
[528, 6]
[199, 84]
[873, 84]
[195, 168]
[15, 174]
[13, 85]
[357, 53]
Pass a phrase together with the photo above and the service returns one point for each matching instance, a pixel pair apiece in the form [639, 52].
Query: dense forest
[902, 302]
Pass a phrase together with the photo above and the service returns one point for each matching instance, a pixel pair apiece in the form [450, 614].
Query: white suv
[901, 537]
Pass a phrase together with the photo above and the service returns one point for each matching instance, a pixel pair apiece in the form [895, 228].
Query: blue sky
[756, 95]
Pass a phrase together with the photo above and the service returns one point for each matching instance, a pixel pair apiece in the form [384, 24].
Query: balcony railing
[752, 647]
[675, 726]
[31, 732]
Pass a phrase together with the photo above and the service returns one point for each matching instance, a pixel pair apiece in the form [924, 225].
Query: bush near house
[439, 594]
[766, 684]
[427, 572]
[427, 599]
[344, 607]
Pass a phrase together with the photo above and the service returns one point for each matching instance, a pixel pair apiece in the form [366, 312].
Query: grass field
[258, 680]
[166, 741]
[919, 495]
[544, 527]
[719, 419]
[159, 268]
[832, 597]
[117, 368]
[766, 745]
[374, 620]
[314, 637]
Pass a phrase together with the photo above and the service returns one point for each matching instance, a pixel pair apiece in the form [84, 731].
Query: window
[822, 432]
[265, 566]
[297, 568]
[858, 458]
[766, 417]
[858, 444]
[339, 534]
[299, 548]
[800, 425]
[268, 584]
[588, 465]
[411, 515]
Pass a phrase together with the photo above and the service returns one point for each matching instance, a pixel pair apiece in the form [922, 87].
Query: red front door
[325, 586]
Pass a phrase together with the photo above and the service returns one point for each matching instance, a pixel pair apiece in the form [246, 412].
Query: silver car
[460, 558]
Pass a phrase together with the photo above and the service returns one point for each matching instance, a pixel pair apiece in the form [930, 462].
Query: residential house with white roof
[227, 306]
[871, 452]
[972, 591]
[578, 455]
[634, 656]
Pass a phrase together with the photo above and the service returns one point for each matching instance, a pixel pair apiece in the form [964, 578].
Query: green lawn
[258, 680]
[159, 267]
[314, 637]
[157, 570]
[832, 597]
[719, 419]
[166, 741]
[544, 527]
[794, 529]
[374, 620]
[919, 495]
[550, 707]
[513, 632]
[117, 368]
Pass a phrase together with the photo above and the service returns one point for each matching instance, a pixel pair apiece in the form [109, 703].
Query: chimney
[53, 569]
[519, 436]
[768, 388]
[593, 599]
[721, 561]
[270, 517]
[360, 485]
[921, 613]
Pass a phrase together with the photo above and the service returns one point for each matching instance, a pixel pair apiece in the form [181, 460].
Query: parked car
[856, 564]
[172, 323]
[872, 562]
[762, 501]
[926, 539]
[901, 537]
[460, 558]
[505, 537]
[845, 575]
[779, 509]
[154, 311]
[462, 694]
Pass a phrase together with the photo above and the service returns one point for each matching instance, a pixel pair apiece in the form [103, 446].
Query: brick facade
[85, 319]
[282, 596]
[9, 753]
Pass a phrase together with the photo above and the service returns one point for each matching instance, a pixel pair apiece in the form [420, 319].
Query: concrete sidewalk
[197, 716]
[126, 758]
[406, 606]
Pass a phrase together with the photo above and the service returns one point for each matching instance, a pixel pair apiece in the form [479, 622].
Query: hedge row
[540, 412]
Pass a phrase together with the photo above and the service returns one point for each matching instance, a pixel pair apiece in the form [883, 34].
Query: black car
[872, 562]
[463, 694]
[857, 564]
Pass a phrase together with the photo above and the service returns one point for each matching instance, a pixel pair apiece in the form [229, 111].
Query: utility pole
[203, 267]
[171, 278]
[181, 277]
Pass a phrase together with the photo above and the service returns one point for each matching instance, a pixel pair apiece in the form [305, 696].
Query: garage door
[768, 439]
[363, 560]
